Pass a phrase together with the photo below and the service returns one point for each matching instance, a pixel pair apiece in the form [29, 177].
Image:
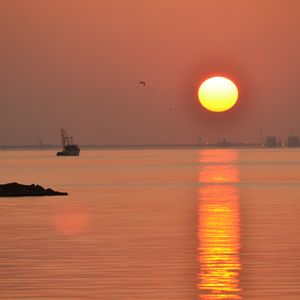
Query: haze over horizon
[77, 65]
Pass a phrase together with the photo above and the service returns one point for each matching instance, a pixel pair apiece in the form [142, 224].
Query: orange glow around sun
[218, 94]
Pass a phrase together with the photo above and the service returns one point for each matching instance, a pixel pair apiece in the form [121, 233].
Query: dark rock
[15, 189]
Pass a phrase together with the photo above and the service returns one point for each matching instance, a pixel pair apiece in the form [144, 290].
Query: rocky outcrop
[15, 189]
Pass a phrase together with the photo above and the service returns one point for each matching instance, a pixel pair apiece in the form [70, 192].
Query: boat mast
[63, 137]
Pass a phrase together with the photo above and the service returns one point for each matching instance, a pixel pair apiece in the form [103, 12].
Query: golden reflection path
[218, 226]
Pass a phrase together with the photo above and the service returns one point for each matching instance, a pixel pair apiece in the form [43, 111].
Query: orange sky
[77, 63]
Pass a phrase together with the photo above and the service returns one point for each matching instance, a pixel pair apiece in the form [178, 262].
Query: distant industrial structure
[293, 142]
[271, 142]
[70, 149]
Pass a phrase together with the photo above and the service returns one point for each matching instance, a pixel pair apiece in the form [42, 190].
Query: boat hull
[68, 153]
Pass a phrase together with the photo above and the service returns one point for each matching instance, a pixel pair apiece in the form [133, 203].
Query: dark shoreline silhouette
[15, 189]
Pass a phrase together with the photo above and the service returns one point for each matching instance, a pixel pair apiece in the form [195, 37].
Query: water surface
[153, 224]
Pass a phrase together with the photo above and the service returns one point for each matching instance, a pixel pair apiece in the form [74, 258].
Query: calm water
[153, 224]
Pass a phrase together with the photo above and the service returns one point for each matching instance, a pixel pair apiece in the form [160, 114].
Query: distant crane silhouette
[261, 137]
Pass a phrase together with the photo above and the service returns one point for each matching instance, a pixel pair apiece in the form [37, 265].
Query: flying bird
[143, 83]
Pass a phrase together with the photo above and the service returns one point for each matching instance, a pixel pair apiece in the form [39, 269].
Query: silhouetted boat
[69, 149]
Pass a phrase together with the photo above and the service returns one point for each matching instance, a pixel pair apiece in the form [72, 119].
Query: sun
[218, 94]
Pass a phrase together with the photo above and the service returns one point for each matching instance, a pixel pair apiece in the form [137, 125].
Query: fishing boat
[69, 148]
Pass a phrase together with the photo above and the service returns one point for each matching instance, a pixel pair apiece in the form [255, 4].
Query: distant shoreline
[115, 147]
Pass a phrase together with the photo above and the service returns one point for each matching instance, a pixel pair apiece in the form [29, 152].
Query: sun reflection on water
[219, 226]
[70, 219]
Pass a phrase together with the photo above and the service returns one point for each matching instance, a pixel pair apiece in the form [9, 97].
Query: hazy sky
[77, 63]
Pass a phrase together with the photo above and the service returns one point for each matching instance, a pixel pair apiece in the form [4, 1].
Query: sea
[159, 224]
